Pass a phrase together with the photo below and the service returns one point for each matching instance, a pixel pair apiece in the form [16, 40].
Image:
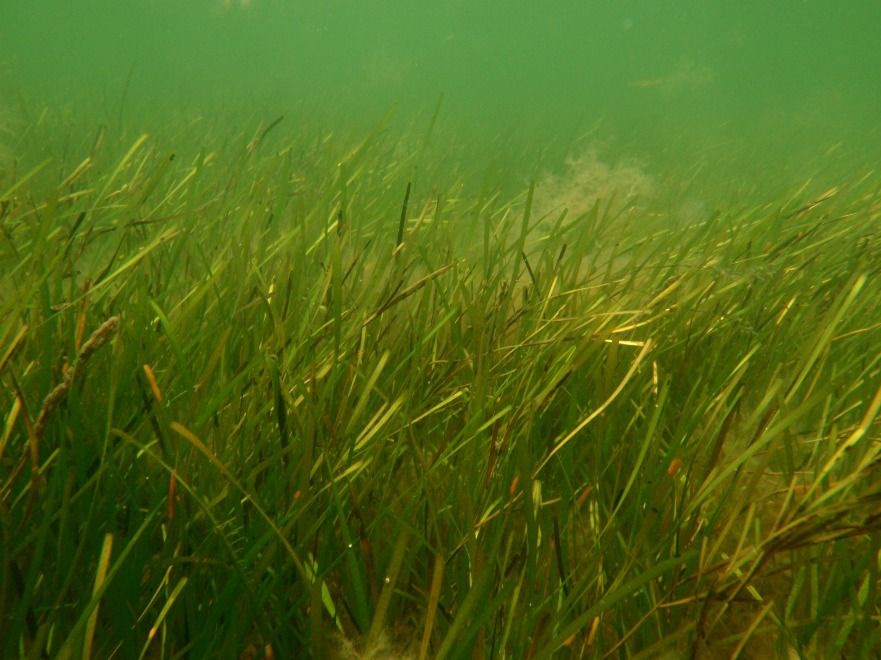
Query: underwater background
[776, 91]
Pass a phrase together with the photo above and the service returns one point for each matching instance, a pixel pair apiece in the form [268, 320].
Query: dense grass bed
[289, 394]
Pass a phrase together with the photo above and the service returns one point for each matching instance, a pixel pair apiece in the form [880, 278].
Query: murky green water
[746, 85]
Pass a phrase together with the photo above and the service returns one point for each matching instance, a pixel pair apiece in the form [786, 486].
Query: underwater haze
[668, 80]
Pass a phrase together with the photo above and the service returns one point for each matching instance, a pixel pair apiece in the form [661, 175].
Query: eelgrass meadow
[286, 393]
[396, 330]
